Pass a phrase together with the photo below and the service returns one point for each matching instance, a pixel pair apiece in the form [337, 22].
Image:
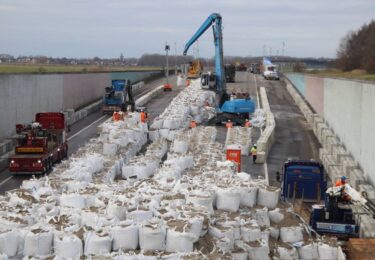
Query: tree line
[357, 50]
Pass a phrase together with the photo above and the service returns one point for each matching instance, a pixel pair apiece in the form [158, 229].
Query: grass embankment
[354, 74]
[55, 68]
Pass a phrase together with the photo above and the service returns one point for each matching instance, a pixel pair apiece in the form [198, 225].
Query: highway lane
[294, 138]
[84, 130]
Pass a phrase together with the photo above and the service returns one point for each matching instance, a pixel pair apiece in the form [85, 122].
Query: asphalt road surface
[84, 130]
[294, 138]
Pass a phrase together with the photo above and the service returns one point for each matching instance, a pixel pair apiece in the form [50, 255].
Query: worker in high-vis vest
[247, 123]
[116, 116]
[193, 124]
[229, 124]
[143, 116]
[253, 152]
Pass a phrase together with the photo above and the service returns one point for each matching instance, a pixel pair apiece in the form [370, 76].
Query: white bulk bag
[116, 211]
[250, 233]
[31, 185]
[128, 171]
[157, 123]
[164, 133]
[180, 81]
[97, 244]
[196, 226]
[67, 246]
[9, 242]
[228, 199]
[223, 232]
[288, 253]
[291, 234]
[274, 232]
[308, 251]
[73, 200]
[125, 237]
[109, 149]
[180, 146]
[239, 255]
[140, 216]
[260, 251]
[152, 238]
[262, 218]
[154, 135]
[170, 123]
[268, 198]
[179, 241]
[327, 252]
[248, 196]
[205, 200]
[38, 244]
[275, 216]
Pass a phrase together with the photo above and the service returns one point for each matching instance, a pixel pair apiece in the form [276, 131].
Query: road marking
[6, 180]
[83, 129]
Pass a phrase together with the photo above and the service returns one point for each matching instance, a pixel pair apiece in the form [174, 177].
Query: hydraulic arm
[214, 20]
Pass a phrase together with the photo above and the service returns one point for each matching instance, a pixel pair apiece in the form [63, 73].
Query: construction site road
[293, 136]
[85, 129]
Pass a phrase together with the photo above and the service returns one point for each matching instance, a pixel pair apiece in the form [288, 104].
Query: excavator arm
[213, 20]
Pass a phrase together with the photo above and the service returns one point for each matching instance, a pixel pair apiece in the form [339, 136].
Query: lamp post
[167, 48]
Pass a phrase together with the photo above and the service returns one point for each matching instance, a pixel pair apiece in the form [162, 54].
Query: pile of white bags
[166, 207]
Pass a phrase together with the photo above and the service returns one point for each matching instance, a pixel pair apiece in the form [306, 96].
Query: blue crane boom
[214, 20]
[236, 110]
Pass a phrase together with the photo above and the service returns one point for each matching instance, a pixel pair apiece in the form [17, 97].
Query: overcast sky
[107, 28]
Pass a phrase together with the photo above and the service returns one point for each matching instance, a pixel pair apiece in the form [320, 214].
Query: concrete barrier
[267, 137]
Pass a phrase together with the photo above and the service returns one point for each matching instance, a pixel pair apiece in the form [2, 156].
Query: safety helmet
[343, 178]
[255, 145]
[247, 120]
[228, 120]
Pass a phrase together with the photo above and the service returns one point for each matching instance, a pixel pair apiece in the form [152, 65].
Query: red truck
[40, 145]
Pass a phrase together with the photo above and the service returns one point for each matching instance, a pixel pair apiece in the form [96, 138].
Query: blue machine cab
[303, 178]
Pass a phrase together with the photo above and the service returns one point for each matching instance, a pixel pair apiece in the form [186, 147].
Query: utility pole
[167, 48]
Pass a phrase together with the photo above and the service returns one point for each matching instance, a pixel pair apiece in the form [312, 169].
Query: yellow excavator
[195, 69]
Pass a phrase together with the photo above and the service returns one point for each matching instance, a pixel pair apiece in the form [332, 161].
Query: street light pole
[167, 48]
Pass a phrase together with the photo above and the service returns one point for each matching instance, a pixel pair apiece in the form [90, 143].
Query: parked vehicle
[40, 145]
[118, 97]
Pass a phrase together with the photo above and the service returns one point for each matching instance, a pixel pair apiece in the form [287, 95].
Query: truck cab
[118, 96]
[39, 145]
[303, 179]
[270, 72]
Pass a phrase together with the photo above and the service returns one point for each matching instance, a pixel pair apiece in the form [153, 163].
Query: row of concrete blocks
[267, 137]
[333, 155]
[336, 160]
